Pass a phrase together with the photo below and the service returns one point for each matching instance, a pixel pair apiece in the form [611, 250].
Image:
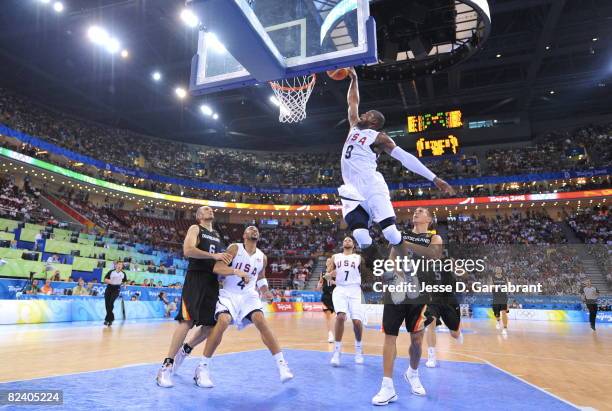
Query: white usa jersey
[358, 160]
[347, 269]
[252, 264]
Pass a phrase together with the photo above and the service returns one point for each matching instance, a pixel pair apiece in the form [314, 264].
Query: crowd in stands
[575, 149]
[557, 268]
[531, 228]
[592, 226]
[21, 204]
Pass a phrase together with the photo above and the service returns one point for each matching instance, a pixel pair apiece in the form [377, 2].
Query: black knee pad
[387, 222]
[358, 218]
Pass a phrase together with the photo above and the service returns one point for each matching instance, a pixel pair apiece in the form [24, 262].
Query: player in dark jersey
[500, 302]
[203, 247]
[409, 309]
[326, 286]
[443, 307]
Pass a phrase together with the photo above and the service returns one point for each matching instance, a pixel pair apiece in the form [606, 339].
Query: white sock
[412, 373]
[431, 352]
[387, 382]
[358, 346]
[279, 358]
[338, 346]
[205, 361]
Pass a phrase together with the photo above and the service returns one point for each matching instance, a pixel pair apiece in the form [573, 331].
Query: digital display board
[437, 147]
[443, 120]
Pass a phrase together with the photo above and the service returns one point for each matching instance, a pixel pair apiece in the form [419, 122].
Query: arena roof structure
[544, 60]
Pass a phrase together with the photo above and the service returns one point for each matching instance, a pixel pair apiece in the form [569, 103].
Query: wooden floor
[565, 359]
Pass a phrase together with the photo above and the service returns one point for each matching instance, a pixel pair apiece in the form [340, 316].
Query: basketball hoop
[292, 95]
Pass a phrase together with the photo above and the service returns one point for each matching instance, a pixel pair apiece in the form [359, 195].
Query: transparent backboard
[310, 35]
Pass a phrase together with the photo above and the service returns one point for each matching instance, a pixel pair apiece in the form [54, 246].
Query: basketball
[339, 74]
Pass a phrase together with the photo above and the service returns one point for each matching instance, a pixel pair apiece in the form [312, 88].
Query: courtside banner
[315, 307]
[287, 207]
[567, 316]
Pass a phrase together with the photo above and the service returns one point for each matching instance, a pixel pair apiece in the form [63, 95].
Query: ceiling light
[58, 6]
[189, 18]
[157, 76]
[206, 110]
[180, 92]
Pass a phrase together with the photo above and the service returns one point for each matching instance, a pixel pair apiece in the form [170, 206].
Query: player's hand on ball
[444, 186]
[225, 257]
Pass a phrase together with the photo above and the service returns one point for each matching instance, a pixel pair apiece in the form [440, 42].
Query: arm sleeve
[412, 163]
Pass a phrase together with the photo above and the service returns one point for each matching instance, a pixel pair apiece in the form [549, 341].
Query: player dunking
[365, 195]
[239, 303]
[409, 309]
[347, 298]
[202, 246]
[327, 285]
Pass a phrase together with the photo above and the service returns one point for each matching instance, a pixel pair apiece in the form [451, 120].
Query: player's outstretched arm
[353, 98]
[384, 143]
[191, 250]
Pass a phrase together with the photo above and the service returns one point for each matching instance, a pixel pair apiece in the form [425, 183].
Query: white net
[292, 96]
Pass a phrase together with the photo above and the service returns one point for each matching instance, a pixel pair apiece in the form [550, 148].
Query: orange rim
[277, 86]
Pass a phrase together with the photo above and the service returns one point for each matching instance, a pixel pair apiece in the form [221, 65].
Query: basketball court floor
[539, 366]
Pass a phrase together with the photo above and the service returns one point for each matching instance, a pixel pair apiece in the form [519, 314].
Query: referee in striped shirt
[113, 280]
[591, 294]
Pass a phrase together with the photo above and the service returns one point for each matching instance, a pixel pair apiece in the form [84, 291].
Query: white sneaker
[412, 378]
[330, 337]
[497, 326]
[504, 332]
[202, 376]
[431, 362]
[285, 372]
[359, 358]
[164, 377]
[460, 338]
[335, 360]
[385, 396]
[178, 359]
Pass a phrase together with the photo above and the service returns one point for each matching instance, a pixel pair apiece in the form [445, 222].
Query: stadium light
[552, 91]
[156, 76]
[189, 18]
[181, 93]
[498, 55]
[125, 54]
[206, 110]
[215, 116]
[113, 46]
[100, 37]
[58, 6]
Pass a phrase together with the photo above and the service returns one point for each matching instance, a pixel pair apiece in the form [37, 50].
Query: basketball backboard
[244, 42]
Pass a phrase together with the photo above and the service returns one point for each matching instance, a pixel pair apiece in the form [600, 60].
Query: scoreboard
[443, 120]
